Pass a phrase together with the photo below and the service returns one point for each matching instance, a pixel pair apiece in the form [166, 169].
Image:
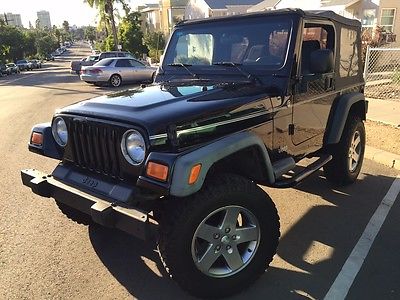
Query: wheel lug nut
[228, 247]
[218, 248]
[233, 237]
[227, 230]
[216, 236]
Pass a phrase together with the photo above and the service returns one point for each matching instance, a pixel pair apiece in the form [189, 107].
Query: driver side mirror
[321, 61]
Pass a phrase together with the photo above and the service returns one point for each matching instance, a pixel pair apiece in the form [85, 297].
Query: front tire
[348, 154]
[220, 240]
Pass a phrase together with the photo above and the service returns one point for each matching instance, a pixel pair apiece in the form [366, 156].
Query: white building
[12, 19]
[151, 17]
[44, 19]
[364, 10]
[211, 8]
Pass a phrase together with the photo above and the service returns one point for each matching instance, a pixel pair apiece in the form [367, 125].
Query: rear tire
[348, 154]
[74, 214]
[232, 269]
[115, 80]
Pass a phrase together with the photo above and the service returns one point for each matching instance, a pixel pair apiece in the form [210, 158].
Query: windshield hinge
[291, 129]
[172, 135]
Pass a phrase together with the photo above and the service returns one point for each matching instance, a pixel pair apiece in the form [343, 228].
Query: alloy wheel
[225, 241]
[354, 151]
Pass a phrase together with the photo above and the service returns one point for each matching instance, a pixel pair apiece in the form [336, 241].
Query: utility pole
[5, 18]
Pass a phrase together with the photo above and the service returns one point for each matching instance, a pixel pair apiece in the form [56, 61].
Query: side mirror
[321, 61]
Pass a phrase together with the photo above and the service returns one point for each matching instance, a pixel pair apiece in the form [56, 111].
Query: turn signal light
[37, 138]
[194, 173]
[157, 171]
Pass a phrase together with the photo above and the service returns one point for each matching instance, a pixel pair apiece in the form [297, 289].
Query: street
[43, 255]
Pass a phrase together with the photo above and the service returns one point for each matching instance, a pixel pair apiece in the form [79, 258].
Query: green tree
[131, 35]
[90, 33]
[29, 42]
[11, 45]
[46, 44]
[106, 13]
[57, 34]
[155, 42]
[65, 26]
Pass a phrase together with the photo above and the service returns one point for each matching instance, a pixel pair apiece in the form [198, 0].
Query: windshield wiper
[185, 66]
[236, 65]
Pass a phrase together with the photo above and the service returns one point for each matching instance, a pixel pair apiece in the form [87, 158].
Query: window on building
[348, 53]
[368, 18]
[387, 19]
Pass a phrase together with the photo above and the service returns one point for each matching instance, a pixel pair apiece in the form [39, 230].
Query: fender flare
[49, 147]
[210, 154]
[338, 119]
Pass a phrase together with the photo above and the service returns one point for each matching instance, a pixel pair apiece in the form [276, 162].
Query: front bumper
[106, 212]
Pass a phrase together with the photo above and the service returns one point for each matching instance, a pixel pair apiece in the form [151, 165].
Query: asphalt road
[43, 255]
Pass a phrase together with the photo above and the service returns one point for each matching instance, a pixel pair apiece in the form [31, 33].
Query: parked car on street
[24, 64]
[86, 61]
[266, 98]
[12, 68]
[49, 57]
[75, 64]
[116, 71]
[36, 64]
[3, 70]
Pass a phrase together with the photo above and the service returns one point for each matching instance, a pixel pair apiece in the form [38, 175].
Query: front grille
[95, 147]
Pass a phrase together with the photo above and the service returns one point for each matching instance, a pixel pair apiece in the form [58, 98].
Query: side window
[124, 63]
[135, 63]
[315, 37]
[348, 53]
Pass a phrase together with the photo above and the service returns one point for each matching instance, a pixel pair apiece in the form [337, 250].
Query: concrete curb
[388, 159]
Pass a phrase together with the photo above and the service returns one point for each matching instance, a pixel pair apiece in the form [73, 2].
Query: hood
[157, 106]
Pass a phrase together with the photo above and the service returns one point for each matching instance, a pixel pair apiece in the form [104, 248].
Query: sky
[76, 12]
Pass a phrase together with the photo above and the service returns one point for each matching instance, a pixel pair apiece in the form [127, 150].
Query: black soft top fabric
[318, 14]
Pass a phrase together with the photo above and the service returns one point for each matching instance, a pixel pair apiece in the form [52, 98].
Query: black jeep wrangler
[237, 102]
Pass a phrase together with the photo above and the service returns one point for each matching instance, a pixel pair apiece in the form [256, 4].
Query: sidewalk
[387, 112]
[384, 111]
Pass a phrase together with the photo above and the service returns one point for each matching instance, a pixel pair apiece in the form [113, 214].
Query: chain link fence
[382, 73]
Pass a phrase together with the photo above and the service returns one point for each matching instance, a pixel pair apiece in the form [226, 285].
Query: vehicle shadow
[335, 225]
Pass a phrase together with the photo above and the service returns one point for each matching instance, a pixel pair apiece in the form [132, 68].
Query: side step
[297, 178]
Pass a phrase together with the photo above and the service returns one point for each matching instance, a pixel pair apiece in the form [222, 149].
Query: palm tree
[106, 12]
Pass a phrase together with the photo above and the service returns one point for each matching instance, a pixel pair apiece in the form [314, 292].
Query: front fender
[49, 147]
[210, 154]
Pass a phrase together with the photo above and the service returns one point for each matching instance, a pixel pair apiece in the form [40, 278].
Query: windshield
[251, 41]
[93, 57]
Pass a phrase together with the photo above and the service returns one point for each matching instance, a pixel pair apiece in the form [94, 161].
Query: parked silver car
[117, 70]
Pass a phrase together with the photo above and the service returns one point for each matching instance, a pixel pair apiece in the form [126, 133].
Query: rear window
[348, 53]
[104, 62]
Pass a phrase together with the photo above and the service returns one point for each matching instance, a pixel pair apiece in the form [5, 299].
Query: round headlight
[133, 147]
[60, 132]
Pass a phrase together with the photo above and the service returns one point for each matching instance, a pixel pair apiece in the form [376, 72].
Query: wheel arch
[221, 155]
[344, 106]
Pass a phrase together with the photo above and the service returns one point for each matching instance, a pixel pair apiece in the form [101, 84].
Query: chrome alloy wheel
[115, 81]
[225, 241]
[354, 151]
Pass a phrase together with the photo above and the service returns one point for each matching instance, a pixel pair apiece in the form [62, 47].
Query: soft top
[317, 14]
